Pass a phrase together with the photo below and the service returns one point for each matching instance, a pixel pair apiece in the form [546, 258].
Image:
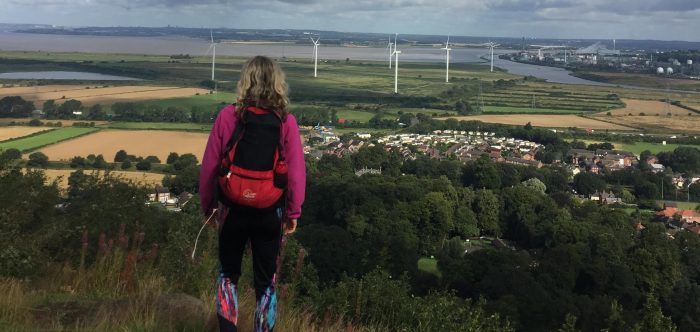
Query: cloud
[545, 18]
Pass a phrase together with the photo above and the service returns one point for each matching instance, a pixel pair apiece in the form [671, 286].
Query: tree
[535, 184]
[143, 165]
[653, 319]
[50, 109]
[569, 324]
[588, 183]
[481, 174]
[11, 154]
[15, 107]
[96, 113]
[77, 162]
[486, 207]
[152, 159]
[120, 156]
[172, 158]
[38, 159]
[66, 109]
[185, 161]
[99, 162]
[126, 164]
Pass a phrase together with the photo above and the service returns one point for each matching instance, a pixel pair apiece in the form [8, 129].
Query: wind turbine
[492, 45]
[315, 55]
[390, 51]
[396, 67]
[447, 61]
[212, 47]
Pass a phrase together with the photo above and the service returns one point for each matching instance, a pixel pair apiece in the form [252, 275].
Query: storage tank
[669, 70]
[660, 70]
[690, 62]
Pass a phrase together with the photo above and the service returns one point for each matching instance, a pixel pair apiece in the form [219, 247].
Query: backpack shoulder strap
[237, 132]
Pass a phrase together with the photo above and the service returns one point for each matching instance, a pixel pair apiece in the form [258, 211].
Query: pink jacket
[219, 137]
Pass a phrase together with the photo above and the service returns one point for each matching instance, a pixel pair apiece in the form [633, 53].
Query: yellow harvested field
[140, 178]
[98, 94]
[648, 107]
[655, 116]
[662, 123]
[15, 132]
[136, 142]
[541, 120]
[65, 123]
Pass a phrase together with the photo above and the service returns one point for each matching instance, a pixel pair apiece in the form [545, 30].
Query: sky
[574, 19]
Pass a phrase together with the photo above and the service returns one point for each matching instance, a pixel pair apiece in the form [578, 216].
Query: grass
[429, 265]
[683, 205]
[46, 138]
[526, 110]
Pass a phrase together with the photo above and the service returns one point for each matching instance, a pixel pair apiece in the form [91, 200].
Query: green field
[683, 205]
[429, 265]
[638, 147]
[526, 110]
[158, 126]
[46, 138]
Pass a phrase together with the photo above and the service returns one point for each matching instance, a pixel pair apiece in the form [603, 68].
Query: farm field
[47, 138]
[674, 124]
[158, 126]
[142, 178]
[639, 147]
[65, 123]
[649, 107]
[91, 95]
[645, 80]
[16, 132]
[526, 110]
[653, 116]
[548, 121]
[137, 142]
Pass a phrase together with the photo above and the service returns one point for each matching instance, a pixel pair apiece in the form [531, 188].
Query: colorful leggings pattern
[266, 309]
[227, 300]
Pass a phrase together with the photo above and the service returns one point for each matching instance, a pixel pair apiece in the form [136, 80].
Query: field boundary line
[30, 135]
[62, 140]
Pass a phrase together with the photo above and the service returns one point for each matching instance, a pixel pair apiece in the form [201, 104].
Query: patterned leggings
[262, 227]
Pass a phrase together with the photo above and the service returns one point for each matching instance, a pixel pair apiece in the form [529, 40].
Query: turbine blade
[211, 34]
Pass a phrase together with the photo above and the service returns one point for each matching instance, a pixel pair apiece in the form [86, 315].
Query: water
[63, 75]
[181, 45]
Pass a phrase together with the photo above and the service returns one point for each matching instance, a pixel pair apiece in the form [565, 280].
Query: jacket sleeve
[210, 163]
[294, 154]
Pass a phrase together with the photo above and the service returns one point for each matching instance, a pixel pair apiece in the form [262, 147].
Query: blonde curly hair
[262, 84]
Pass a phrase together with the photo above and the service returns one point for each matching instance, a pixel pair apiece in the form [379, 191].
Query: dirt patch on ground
[648, 107]
[16, 132]
[141, 178]
[136, 142]
[90, 95]
[550, 121]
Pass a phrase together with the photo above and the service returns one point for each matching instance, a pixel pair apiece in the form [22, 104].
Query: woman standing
[253, 177]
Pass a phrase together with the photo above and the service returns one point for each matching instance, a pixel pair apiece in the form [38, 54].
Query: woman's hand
[290, 226]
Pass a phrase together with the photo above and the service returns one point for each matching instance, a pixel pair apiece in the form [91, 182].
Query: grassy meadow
[42, 139]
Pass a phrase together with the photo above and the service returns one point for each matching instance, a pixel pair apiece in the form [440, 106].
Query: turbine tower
[492, 45]
[447, 61]
[396, 66]
[212, 47]
[315, 55]
[213, 54]
[390, 51]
